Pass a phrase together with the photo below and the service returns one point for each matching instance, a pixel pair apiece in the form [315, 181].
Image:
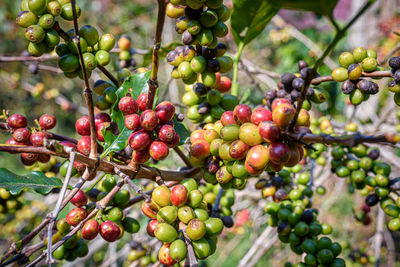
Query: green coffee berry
[26, 19]
[34, 34]
[66, 11]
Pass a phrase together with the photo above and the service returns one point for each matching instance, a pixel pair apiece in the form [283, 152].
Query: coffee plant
[145, 180]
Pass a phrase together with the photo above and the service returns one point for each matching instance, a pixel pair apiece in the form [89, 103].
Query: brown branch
[349, 140]
[27, 58]
[108, 74]
[153, 83]
[183, 157]
[375, 74]
[87, 91]
[61, 32]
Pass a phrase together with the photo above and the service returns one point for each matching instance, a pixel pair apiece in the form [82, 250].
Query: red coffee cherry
[197, 135]
[179, 195]
[37, 138]
[109, 231]
[151, 227]
[142, 101]
[227, 118]
[278, 102]
[128, 105]
[21, 135]
[261, 114]
[132, 122]
[163, 255]
[139, 140]
[149, 209]
[80, 199]
[84, 145]
[175, 142]
[29, 159]
[90, 229]
[242, 113]
[80, 167]
[279, 153]
[101, 117]
[69, 144]
[17, 121]
[269, 131]
[11, 141]
[82, 126]
[99, 131]
[200, 149]
[165, 111]
[75, 216]
[140, 156]
[43, 158]
[149, 120]
[158, 150]
[166, 133]
[47, 121]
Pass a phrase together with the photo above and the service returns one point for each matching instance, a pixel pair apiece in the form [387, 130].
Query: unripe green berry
[185, 70]
[194, 27]
[198, 64]
[354, 71]
[46, 21]
[90, 34]
[26, 19]
[214, 4]
[208, 18]
[205, 37]
[226, 63]
[106, 42]
[37, 6]
[356, 97]
[346, 59]
[68, 63]
[36, 50]
[372, 53]
[52, 38]
[220, 29]
[54, 8]
[66, 11]
[62, 49]
[359, 54]
[34, 34]
[90, 61]
[73, 47]
[339, 74]
[103, 57]
[369, 64]
[223, 13]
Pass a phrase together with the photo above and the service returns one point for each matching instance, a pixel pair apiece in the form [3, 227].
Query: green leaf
[35, 180]
[182, 130]
[323, 7]
[249, 18]
[135, 85]
[115, 143]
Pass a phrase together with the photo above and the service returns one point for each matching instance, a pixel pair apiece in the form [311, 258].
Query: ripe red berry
[128, 105]
[17, 121]
[149, 209]
[257, 157]
[139, 140]
[140, 156]
[80, 199]
[101, 117]
[151, 227]
[37, 138]
[163, 255]
[175, 142]
[227, 118]
[80, 167]
[269, 131]
[43, 158]
[149, 120]
[29, 159]
[165, 111]
[12, 142]
[47, 121]
[224, 84]
[84, 145]
[132, 122]
[261, 114]
[90, 229]
[242, 113]
[179, 195]
[109, 231]
[283, 114]
[238, 149]
[200, 149]
[75, 216]
[142, 101]
[197, 135]
[99, 131]
[294, 157]
[82, 125]
[279, 153]
[166, 133]
[158, 150]
[21, 135]
[278, 102]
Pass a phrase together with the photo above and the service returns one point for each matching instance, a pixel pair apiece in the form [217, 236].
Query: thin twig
[153, 83]
[379, 237]
[57, 209]
[87, 92]
[27, 58]
[183, 157]
[108, 74]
